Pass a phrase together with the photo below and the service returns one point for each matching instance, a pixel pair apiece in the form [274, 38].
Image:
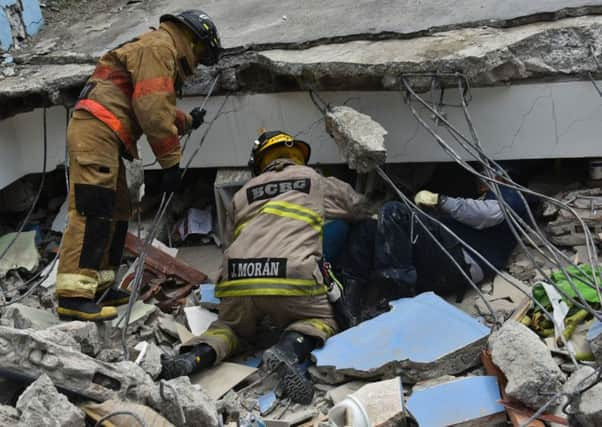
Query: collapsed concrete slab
[26, 354]
[419, 338]
[487, 52]
[42, 405]
[586, 407]
[533, 375]
[360, 138]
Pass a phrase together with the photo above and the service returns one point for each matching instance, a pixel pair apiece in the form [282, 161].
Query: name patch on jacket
[249, 268]
[275, 188]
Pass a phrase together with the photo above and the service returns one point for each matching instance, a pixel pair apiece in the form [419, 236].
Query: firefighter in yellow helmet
[272, 264]
[132, 91]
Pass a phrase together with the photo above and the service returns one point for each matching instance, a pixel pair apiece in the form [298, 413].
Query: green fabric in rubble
[579, 280]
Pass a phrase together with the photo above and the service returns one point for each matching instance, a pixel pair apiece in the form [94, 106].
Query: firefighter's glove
[171, 180]
[198, 117]
[427, 199]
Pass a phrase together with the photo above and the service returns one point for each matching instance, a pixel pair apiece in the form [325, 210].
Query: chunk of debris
[471, 400]
[149, 358]
[146, 414]
[421, 337]
[184, 404]
[586, 408]
[218, 380]
[533, 375]
[21, 316]
[375, 404]
[359, 137]
[9, 416]
[42, 405]
[341, 392]
[565, 229]
[199, 319]
[85, 333]
[22, 254]
[594, 337]
[59, 338]
[28, 354]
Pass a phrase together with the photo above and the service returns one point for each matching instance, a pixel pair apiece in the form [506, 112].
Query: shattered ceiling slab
[288, 45]
[420, 338]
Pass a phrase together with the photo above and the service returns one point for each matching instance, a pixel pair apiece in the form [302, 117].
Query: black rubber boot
[200, 357]
[114, 297]
[84, 309]
[285, 358]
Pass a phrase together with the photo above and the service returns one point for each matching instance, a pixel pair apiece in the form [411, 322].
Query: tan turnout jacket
[275, 230]
[133, 91]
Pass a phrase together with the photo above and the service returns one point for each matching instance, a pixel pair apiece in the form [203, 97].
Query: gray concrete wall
[548, 120]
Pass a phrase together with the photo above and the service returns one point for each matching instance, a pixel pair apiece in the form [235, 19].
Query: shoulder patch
[275, 188]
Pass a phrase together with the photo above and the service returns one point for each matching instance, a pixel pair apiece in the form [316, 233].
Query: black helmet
[203, 28]
[270, 139]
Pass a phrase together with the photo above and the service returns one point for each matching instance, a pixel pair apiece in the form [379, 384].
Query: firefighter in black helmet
[131, 92]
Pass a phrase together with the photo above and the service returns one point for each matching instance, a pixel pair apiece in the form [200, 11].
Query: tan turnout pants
[99, 209]
[238, 318]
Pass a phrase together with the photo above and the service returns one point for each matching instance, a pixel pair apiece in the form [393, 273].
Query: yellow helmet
[267, 141]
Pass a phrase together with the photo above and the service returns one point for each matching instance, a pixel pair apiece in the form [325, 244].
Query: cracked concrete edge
[411, 372]
[488, 56]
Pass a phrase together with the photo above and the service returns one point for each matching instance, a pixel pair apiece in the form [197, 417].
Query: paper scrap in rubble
[197, 221]
[22, 254]
[218, 380]
[199, 319]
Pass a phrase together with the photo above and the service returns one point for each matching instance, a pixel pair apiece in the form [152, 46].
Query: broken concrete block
[59, 338]
[22, 254]
[42, 405]
[527, 363]
[420, 338]
[470, 400]
[218, 380]
[375, 404]
[586, 408]
[85, 333]
[20, 316]
[199, 410]
[27, 353]
[359, 137]
[150, 358]
[594, 337]
[8, 415]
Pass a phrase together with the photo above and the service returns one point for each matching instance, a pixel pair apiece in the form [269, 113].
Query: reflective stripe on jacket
[133, 91]
[275, 231]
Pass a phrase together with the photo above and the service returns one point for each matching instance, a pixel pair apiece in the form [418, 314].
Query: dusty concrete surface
[42, 405]
[586, 407]
[280, 46]
[360, 139]
[533, 375]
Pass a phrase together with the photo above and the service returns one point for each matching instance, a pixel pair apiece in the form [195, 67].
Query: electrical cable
[165, 200]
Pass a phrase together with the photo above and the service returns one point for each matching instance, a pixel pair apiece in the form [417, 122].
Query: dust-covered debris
[42, 405]
[359, 137]
[533, 375]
